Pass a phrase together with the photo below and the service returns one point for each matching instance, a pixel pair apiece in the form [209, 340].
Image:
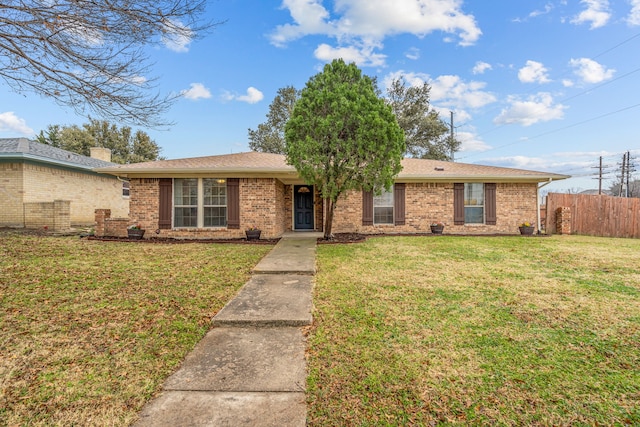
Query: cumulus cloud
[9, 122]
[366, 23]
[364, 56]
[177, 37]
[634, 15]
[196, 91]
[481, 67]
[533, 72]
[534, 109]
[469, 142]
[252, 96]
[589, 71]
[453, 91]
[597, 13]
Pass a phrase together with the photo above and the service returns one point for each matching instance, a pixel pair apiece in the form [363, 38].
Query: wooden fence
[596, 215]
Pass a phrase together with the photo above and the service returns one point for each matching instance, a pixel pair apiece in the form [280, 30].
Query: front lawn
[476, 331]
[89, 330]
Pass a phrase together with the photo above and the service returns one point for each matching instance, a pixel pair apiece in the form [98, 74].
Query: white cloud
[253, 96]
[453, 91]
[547, 8]
[470, 142]
[597, 13]
[366, 23]
[9, 122]
[361, 56]
[634, 15]
[534, 109]
[481, 67]
[589, 71]
[196, 91]
[533, 72]
[413, 53]
[177, 36]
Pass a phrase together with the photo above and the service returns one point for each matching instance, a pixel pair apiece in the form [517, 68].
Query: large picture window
[383, 208]
[199, 202]
[474, 203]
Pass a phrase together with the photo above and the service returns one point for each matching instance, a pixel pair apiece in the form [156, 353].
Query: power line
[580, 93]
[557, 130]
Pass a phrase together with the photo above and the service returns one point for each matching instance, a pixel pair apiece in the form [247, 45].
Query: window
[215, 202]
[474, 203]
[199, 202]
[125, 189]
[383, 208]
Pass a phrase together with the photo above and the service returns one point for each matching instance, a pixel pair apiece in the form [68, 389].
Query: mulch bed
[167, 240]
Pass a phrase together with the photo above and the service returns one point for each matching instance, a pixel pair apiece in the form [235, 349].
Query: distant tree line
[126, 145]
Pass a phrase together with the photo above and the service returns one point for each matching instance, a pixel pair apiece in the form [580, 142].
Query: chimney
[100, 153]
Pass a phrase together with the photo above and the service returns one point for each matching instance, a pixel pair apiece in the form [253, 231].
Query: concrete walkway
[249, 370]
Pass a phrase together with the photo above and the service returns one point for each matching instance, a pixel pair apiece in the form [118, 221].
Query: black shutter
[398, 204]
[490, 204]
[233, 203]
[458, 204]
[165, 202]
[367, 208]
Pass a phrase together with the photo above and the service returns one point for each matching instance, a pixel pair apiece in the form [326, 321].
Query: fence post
[563, 220]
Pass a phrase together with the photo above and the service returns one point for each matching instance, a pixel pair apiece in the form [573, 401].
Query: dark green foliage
[126, 146]
[269, 137]
[426, 135]
[342, 136]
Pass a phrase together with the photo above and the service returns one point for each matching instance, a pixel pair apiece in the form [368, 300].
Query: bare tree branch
[89, 55]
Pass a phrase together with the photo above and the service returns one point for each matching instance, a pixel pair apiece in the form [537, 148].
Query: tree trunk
[328, 221]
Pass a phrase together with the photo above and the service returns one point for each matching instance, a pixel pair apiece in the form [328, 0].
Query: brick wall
[563, 220]
[107, 226]
[53, 216]
[11, 195]
[262, 204]
[86, 192]
[29, 183]
[429, 202]
[266, 203]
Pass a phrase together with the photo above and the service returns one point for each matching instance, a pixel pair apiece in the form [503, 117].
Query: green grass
[476, 331]
[89, 330]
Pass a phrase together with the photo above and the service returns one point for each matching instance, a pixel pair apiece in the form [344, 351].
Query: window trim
[200, 206]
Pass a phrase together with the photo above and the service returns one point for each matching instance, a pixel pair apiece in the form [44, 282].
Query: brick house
[44, 186]
[221, 196]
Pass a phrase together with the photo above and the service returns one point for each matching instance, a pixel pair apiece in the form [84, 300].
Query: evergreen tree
[342, 136]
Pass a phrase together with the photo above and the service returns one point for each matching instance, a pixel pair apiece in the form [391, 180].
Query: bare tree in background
[89, 55]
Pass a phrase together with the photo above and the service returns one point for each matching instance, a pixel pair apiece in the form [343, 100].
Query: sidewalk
[249, 370]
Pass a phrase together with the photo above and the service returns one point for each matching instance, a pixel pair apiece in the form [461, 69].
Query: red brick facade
[430, 202]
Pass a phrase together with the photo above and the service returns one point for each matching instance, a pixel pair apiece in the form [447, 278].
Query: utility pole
[622, 174]
[451, 137]
[628, 172]
[600, 177]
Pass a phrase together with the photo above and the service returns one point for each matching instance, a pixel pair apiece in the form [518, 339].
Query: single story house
[45, 186]
[221, 196]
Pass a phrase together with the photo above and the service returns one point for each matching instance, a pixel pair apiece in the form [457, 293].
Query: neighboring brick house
[44, 186]
[221, 196]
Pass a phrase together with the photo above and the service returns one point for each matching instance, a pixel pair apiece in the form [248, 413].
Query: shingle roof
[23, 148]
[253, 163]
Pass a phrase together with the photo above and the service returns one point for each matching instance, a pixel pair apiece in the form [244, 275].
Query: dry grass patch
[453, 330]
[89, 329]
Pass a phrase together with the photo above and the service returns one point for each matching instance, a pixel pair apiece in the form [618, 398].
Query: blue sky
[541, 85]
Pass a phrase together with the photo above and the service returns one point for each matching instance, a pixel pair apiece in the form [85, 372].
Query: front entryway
[303, 207]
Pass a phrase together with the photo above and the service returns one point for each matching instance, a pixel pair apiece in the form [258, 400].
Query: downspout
[538, 199]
